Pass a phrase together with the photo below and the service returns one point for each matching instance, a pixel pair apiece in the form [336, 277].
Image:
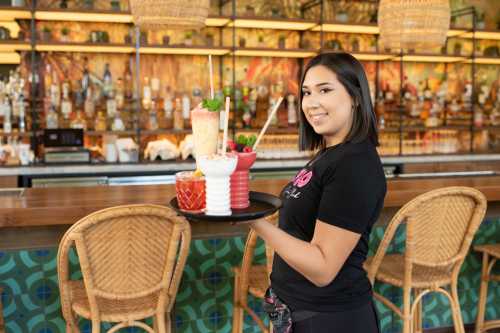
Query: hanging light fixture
[413, 24]
[169, 14]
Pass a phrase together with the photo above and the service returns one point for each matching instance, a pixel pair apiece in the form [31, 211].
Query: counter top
[38, 217]
[64, 206]
[173, 166]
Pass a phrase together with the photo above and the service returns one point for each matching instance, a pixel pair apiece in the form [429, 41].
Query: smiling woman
[329, 208]
[335, 100]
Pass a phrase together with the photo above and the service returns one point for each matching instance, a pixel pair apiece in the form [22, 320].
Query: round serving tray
[261, 205]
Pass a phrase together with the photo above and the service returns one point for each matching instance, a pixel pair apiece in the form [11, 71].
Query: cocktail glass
[217, 170]
[239, 180]
[190, 191]
[205, 126]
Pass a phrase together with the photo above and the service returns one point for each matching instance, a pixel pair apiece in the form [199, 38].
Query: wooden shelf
[184, 50]
[269, 52]
[271, 130]
[8, 13]
[166, 131]
[14, 45]
[84, 47]
[366, 56]
[99, 133]
[83, 16]
[272, 23]
[371, 29]
[426, 128]
[15, 133]
[485, 61]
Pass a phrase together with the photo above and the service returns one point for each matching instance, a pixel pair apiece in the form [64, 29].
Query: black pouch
[279, 313]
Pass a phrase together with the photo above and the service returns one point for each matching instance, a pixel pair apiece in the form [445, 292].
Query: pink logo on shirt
[302, 178]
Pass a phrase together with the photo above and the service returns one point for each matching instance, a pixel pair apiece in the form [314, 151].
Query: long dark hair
[351, 75]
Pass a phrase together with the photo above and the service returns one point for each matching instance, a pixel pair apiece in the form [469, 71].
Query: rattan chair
[2, 327]
[491, 253]
[440, 226]
[251, 279]
[132, 259]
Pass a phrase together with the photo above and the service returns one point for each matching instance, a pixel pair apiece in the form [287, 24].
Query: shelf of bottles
[86, 77]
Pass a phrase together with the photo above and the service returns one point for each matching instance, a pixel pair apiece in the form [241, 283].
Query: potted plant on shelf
[209, 40]
[166, 40]
[88, 4]
[282, 42]
[242, 42]
[65, 34]
[115, 5]
[188, 38]
[46, 34]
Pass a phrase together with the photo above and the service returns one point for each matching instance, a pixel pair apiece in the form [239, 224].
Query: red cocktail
[190, 190]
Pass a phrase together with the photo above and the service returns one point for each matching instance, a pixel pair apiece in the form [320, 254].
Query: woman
[329, 208]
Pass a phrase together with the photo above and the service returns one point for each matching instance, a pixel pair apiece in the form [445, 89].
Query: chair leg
[237, 309]
[457, 313]
[2, 327]
[483, 291]
[407, 322]
[72, 325]
[167, 324]
[96, 326]
[417, 319]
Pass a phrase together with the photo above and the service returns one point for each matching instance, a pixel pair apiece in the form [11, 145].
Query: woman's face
[327, 105]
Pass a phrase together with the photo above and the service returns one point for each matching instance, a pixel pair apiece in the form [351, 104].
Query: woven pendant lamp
[169, 14]
[413, 24]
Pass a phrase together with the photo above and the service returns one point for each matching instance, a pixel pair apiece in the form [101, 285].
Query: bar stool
[132, 258]
[491, 253]
[251, 279]
[2, 327]
[440, 226]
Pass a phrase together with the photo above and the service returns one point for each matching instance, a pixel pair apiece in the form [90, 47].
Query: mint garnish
[213, 105]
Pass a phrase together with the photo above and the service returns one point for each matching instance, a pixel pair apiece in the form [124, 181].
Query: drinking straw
[226, 125]
[268, 121]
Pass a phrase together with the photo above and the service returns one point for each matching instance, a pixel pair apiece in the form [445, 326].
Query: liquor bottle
[168, 108]
[153, 119]
[262, 105]
[66, 105]
[178, 118]
[186, 110]
[52, 119]
[78, 121]
[55, 91]
[128, 81]
[47, 81]
[120, 94]
[155, 87]
[107, 81]
[292, 110]
[85, 76]
[89, 105]
[117, 124]
[7, 115]
[111, 105]
[197, 96]
[22, 113]
[146, 94]
[100, 122]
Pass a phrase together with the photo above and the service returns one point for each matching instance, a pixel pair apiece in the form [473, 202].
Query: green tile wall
[204, 301]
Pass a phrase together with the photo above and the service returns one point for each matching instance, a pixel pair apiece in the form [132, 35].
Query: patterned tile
[204, 302]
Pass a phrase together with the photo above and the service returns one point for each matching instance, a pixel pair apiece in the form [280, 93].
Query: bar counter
[42, 214]
[32, 223]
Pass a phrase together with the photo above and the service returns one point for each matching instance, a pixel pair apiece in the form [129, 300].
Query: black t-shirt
[345, 186]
